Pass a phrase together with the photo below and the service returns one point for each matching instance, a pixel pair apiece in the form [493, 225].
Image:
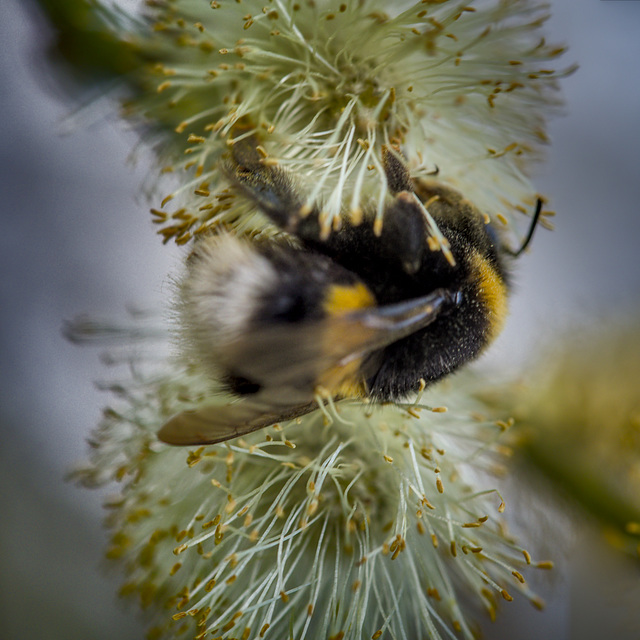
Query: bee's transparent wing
[287, 362]
[216, 423]
[295, 355]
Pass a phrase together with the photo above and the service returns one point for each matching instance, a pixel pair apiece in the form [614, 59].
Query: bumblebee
[363, 312]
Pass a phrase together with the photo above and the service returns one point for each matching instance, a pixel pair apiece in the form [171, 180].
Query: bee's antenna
[532, 228]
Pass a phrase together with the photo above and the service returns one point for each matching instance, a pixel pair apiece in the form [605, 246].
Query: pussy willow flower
[460, 87]
[359, 522]
[581, 416]
[355, 521]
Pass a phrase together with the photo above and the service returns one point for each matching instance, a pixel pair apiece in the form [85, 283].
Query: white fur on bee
[220, 292]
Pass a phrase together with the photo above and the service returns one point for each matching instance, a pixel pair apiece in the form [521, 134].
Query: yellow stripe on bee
[493, 293]
[342, 298]
[345, 380]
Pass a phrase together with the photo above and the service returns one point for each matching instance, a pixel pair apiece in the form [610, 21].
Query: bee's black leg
[396, 171]
[271, 188]
[404, 234]
[404, 227]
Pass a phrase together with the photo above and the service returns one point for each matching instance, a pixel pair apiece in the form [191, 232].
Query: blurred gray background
[77, 238]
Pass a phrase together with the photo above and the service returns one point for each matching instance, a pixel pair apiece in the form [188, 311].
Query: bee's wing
[216, 423]
[294, 355]
[288, 361]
